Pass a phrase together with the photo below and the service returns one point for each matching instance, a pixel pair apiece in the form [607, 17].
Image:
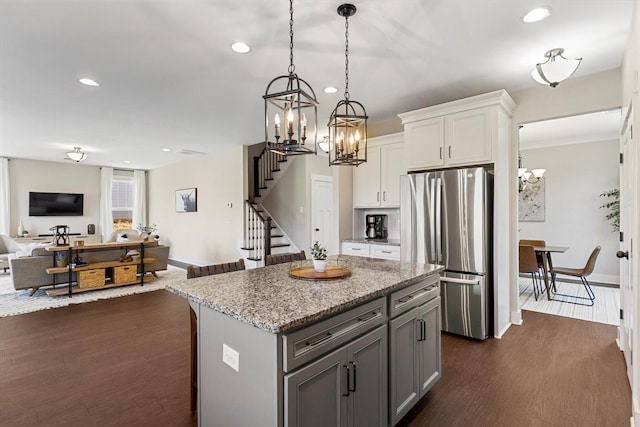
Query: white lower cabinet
[347, 387]
[371, 250]
[384, 252]
[357, 249]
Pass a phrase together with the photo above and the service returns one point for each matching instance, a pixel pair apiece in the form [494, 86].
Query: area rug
[606, 308]
[14, 302]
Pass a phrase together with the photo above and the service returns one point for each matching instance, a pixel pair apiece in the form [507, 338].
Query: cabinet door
[368, 367]
[313, 396]
[403, 364]
[430, 361]
[391, 167]
[469, 137]
[366, 181]
[424, 141]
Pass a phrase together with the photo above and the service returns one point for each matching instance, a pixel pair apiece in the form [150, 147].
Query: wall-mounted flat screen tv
[56, 204]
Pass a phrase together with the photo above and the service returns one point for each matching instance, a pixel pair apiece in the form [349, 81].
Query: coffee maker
[376, 227]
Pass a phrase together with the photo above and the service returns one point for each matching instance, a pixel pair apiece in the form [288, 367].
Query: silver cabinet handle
[449, 151]
[384, 196]
[378, 196]
[355, 249]
[386, 252]
[440, 153]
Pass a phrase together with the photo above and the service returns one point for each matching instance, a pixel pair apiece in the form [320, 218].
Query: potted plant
[319, 254]
[613, 206]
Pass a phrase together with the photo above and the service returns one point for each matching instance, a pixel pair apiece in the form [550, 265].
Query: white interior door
[628, 226]
[322, 211]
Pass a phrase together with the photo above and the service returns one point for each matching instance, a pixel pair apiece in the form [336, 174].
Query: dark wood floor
[125, 361]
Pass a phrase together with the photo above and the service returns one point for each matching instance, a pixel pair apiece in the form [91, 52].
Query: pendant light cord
[292, 68]
[346, 58]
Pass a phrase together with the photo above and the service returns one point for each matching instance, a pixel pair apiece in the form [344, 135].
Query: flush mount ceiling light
[89, 82]
[348, 121]
[292, 97]
[76, 155]
[330, 89]
[536, 15]
[555, 69]
[241, 47]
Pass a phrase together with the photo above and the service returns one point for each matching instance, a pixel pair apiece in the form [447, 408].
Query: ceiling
[592, 127]
[168, 78]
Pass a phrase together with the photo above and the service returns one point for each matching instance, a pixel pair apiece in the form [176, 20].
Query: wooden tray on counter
[308, 273]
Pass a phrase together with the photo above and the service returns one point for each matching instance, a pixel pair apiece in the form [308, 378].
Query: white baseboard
[502, 332]
[516, 317]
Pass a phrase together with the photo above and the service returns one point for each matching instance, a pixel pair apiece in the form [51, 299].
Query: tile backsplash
[393, 222]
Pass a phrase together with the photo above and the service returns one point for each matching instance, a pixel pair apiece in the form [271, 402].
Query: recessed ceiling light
[536, 15]
[89, 82]
[166, 149]
[127, 161]
[330, 89]
[241, 47]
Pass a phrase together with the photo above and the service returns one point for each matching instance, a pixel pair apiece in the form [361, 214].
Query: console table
[95, 274]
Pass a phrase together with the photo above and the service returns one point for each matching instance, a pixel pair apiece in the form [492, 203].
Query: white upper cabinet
[376, 183]
[458, 133]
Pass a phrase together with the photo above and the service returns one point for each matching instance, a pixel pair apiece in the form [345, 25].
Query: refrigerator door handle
[438, 220]
[460, 281]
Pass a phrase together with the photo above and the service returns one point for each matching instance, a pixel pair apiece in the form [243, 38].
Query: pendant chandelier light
[348, 121]
[555, 69]
[291, 103]
[524, 176]
[76, 155]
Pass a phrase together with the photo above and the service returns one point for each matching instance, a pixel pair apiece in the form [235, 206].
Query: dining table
[547, 264]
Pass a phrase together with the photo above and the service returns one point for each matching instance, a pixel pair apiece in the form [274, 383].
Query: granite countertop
[269, 299]
[388, 242]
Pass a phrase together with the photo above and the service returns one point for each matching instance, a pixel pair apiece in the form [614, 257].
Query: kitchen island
[279, 351]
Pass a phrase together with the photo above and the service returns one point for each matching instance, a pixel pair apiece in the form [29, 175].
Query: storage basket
[91, 278]
[125, 274]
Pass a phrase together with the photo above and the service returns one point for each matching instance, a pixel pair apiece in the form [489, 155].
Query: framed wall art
[531, 202]
[187, 200]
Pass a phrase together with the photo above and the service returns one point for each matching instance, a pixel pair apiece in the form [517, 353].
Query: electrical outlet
[231, 357]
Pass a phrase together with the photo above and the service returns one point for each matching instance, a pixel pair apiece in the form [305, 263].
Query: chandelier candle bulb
[303, 123]
[277, 122]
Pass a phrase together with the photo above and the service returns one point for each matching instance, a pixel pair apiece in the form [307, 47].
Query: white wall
[576, 175]
[33, 175]
[214, 233]
[289, 201]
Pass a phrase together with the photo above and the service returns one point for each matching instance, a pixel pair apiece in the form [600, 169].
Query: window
[122, 202]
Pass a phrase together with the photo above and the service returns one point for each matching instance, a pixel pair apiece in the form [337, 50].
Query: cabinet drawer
[357, 249]
[414, 295]
[306, 344]
[385, 251]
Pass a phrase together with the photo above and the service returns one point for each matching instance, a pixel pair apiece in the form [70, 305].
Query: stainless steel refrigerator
[446, 218]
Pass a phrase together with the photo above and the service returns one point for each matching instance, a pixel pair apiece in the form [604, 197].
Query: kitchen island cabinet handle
[353, 365]
[369, 317]
[348, 386]
[405, 299]
[321, 340]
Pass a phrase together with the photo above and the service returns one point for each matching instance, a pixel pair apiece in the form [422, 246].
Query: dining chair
[582, 273]
[282, 258]
[193, 272]
[528, 263]
[539, 255]
[208, 270]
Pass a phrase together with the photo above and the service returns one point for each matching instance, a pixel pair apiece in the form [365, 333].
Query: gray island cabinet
[278, 351]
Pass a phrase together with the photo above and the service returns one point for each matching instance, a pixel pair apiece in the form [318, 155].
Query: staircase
[262, 235]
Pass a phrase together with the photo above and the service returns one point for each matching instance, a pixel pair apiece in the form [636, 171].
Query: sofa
[29, 271]
[8, 246]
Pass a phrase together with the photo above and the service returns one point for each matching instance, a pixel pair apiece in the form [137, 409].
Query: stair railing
[257, 239]
[263, 167]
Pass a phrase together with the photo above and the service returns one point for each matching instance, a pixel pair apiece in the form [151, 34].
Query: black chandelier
[290, 99]
[348, 121]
